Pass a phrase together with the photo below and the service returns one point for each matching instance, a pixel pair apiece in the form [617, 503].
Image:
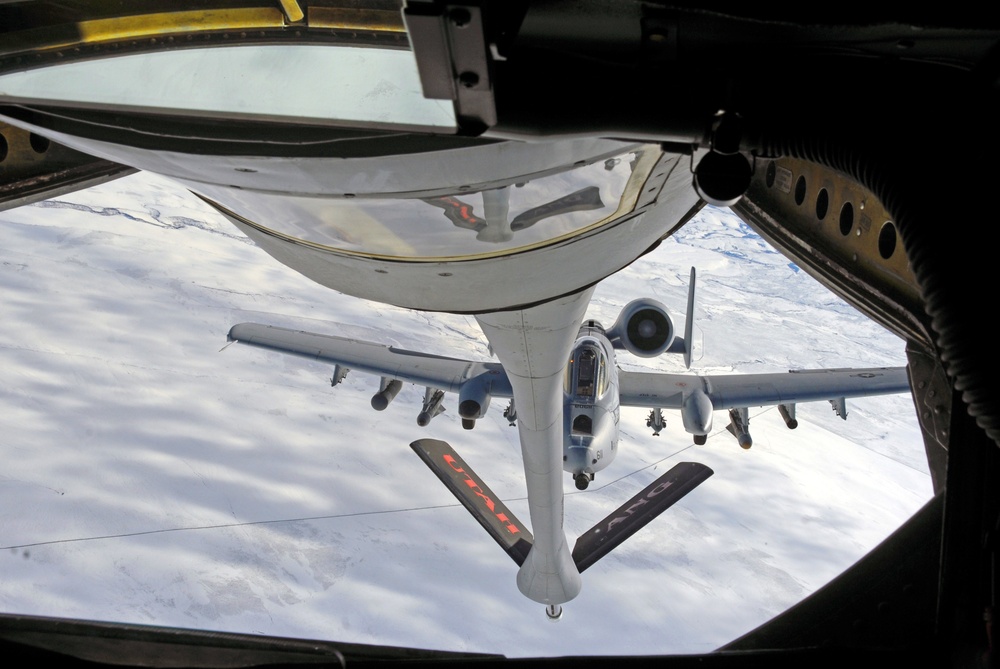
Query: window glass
[320, 83]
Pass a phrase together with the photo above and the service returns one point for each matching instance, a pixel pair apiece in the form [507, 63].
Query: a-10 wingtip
[231, 336]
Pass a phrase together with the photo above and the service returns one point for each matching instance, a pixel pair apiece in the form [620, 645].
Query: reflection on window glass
[463, 223]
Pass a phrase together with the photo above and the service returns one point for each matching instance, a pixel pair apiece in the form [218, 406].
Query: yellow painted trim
[165, 23]
[379, 20]
[293, 12]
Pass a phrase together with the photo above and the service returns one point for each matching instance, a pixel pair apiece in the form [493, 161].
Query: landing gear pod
[474, 398]
[697, 413]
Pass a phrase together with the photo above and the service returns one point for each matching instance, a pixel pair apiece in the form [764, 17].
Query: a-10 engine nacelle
[643, 328]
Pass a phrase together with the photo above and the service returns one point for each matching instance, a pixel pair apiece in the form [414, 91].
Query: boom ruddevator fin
[634, 514]
[512, 535]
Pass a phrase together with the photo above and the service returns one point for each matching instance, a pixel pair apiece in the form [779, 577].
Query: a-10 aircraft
[593, 390]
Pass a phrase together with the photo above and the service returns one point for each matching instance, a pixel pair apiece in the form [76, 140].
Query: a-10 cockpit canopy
[587, 373]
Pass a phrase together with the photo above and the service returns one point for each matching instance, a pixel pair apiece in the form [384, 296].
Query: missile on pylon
[739, 427]
[432, 406]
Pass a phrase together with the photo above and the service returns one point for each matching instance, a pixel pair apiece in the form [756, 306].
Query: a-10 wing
[731, 391]
[475, 382]
[698, 397]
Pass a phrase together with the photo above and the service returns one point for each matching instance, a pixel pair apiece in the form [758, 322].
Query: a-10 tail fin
[689, 323]
[685, 345]
[515, 538]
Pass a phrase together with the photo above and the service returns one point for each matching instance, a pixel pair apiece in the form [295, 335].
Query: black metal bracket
[454, 59]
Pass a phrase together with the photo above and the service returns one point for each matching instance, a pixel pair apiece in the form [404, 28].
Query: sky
[153, 477]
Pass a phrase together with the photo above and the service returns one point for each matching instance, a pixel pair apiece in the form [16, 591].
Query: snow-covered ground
[150, 478]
